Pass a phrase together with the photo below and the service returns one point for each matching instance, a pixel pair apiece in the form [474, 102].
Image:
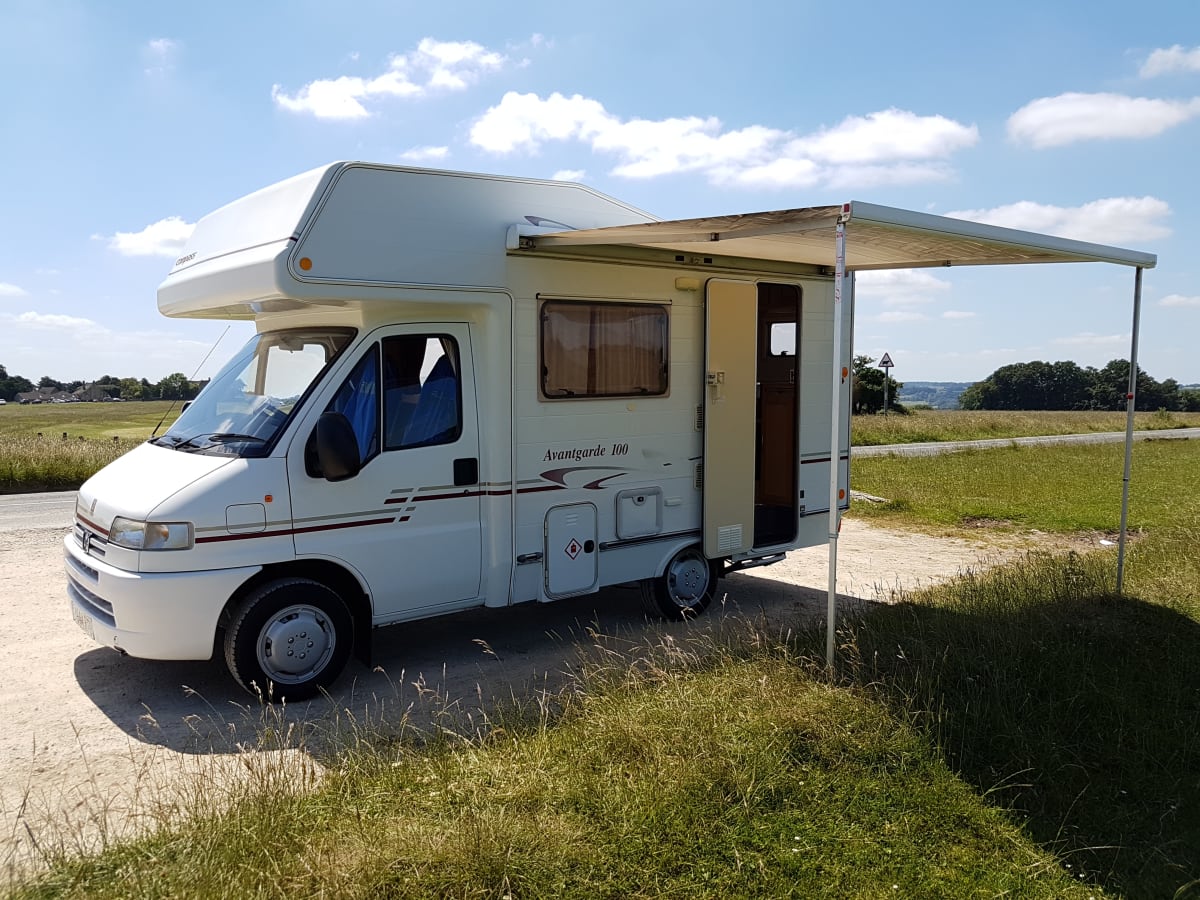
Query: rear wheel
[288, 639]
[685, 588]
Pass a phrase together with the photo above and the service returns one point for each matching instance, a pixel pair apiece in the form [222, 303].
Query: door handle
[466, 471]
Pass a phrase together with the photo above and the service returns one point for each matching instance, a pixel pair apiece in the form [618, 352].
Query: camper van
[437, 412]
[469, 390]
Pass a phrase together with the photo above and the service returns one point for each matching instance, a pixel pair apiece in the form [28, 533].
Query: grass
[58, 446]
[925, 425]
[682, 776]
[1058, 488]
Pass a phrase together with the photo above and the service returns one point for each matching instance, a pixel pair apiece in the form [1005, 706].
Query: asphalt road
[1101, 437]
[36, 511]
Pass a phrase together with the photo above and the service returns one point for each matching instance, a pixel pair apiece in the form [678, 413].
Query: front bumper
[148, 615]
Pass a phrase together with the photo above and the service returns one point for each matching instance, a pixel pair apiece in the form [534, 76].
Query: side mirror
[337, 447]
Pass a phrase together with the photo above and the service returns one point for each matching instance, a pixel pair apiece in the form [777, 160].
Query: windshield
[246, 405]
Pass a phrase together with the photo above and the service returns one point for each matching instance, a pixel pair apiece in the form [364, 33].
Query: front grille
[93, 603]
[82, 569]
[92, 543]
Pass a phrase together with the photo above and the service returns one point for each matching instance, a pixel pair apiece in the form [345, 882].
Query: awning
[860, 236]
[883, 237]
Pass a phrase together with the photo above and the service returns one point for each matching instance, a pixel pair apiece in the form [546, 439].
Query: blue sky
[122, 124]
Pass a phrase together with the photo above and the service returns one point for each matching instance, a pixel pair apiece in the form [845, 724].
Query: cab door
[408, 523]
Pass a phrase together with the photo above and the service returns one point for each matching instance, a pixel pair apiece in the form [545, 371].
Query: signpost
[886, 364]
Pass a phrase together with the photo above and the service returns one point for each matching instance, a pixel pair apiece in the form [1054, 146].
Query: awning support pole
[1130, 404]
[835, 434]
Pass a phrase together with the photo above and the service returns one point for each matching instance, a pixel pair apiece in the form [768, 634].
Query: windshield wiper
[232, 437]
[213, 437]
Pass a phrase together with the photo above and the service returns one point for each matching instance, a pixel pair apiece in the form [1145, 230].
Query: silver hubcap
[296, 644]
[687, 579]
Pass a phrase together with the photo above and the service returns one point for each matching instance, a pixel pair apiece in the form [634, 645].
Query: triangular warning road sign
[886, 362]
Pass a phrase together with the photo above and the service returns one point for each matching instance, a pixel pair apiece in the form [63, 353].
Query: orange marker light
[305, 263]
[268, 498]
[841, 495]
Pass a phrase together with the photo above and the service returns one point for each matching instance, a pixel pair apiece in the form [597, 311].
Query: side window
[603, 349]
[422, 394]
[358, 400]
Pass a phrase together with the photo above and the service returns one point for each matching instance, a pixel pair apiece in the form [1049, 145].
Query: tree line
[1065, 385]
[175, 386]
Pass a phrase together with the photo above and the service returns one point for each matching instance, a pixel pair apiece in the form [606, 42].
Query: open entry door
[731, 351]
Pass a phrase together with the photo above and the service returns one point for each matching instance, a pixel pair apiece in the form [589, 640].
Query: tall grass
[1074, 708]
[58, 446]
[54, 463]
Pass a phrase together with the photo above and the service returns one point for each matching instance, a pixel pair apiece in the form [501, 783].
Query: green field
[1019, 732]
[58, 446]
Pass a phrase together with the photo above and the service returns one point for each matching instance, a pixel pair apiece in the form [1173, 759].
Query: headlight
[151, 535]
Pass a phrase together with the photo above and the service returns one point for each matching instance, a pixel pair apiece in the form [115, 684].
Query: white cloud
[899, 287]
[958, 314]
[433, 66]
[1113, 220]
[11, 290]
[158, 56]
[1055, 121]
[424, 154]
[1091, 339]
[53, 321]
[892, 146]
[897, 316]
[86, 348]
[569, 175]
[1171, 59]
[166, 237]
[1179, 300]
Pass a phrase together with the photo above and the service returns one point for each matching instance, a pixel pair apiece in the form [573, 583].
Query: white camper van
[470, 391]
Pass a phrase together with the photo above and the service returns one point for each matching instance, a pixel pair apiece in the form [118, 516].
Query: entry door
[731, 351]
[408, 522]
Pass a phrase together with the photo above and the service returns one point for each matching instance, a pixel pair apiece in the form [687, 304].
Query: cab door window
[422, 393]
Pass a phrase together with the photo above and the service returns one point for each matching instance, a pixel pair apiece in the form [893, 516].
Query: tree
[48, 382]
[10, 386]
[131, 389]
[868, 388]
[1064, 385]
[174, 387]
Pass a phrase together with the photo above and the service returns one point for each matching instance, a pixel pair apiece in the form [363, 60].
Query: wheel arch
[336, 577]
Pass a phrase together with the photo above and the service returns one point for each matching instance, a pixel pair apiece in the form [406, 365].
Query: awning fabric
[880, 237]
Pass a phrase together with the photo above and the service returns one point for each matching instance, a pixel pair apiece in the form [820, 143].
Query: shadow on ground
[458, 666]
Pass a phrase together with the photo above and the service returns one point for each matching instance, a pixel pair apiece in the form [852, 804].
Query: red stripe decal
[291, 531]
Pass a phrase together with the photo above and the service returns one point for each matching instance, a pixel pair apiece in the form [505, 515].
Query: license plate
[83, 620]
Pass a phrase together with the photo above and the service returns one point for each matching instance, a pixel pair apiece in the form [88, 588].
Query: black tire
[685, 588]
[288, 639]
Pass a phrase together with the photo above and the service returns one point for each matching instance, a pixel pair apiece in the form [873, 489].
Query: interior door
[731, 354]
[408, 522]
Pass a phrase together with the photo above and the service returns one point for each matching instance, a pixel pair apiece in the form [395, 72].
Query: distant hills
[937, 394]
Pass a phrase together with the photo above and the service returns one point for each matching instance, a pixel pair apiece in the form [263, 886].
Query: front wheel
[685, 588]
[288, 639]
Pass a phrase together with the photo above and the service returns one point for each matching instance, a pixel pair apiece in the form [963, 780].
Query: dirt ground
[97, 746]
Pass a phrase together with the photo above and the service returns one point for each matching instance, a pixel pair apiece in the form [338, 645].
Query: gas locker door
[730, 394]
[570, 550]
